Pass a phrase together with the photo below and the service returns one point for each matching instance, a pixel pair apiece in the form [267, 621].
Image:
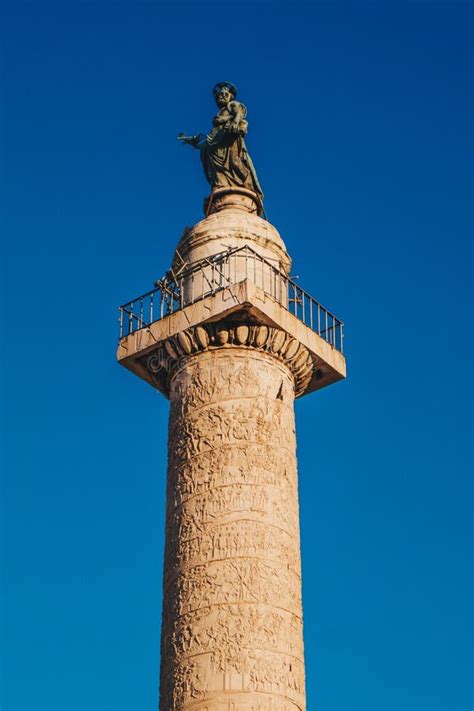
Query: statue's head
[224, 92]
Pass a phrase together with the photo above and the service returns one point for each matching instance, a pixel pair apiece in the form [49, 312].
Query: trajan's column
[231, 340]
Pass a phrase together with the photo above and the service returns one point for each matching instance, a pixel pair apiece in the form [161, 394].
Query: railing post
[130, 319]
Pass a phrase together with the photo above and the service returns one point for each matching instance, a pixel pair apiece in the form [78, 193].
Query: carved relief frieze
[238, 421]
[246, 702]
[232, 581]
[258, 671]
[233, 629]
[232, 616]
[245, 464]
[235, 540]
[274, 506]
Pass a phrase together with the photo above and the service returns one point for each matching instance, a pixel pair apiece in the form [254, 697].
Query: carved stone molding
[233, 198]
[170, 354]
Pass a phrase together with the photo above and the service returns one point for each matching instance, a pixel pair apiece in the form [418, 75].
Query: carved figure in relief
[276, 674]
[264, 674]
[225, 381]
[193, 517]
[233, 581]
[219, 383]
[227, 630]
[230, 422]
[248, 463]
[246, 538]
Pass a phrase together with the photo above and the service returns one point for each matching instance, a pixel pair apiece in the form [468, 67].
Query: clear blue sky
[360, 120]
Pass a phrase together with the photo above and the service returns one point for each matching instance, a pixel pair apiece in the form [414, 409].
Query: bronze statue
[224, 156]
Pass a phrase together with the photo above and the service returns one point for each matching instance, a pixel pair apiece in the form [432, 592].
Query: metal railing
[196, 281]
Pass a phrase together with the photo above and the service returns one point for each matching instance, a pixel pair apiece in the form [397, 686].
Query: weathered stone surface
[232, 617]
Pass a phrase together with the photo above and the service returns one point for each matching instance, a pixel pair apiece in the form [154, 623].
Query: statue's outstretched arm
[193, 141]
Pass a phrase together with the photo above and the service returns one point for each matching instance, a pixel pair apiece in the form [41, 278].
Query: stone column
[232, 615]
[232, 346]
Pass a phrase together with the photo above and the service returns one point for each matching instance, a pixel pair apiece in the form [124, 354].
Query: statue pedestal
[233, 198]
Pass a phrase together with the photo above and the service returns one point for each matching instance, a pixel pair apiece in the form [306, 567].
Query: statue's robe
[224, 155]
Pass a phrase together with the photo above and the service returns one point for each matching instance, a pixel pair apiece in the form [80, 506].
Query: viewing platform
[240, 286]
[204, 278]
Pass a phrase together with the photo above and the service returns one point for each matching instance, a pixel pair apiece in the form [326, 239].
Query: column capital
[162, 362]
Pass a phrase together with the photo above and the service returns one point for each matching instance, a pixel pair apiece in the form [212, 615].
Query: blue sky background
[360, 129]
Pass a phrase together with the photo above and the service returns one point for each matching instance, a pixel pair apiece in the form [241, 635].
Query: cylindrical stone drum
[232, 615]
[238, 246]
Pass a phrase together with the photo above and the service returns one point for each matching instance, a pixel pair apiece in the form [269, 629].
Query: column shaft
[232, 616]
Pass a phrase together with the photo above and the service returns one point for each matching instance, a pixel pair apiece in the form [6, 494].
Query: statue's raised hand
[190, 140]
